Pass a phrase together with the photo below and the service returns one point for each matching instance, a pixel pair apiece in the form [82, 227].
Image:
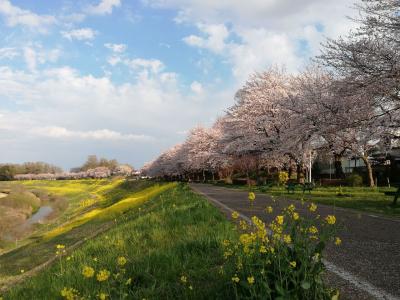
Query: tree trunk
[300, 173]
[204, 176]
[369, 170]
[339, 174]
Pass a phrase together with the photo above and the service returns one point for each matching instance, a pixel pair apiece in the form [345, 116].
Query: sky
[127, 79]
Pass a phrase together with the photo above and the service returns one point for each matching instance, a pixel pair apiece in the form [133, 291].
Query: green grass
[177, 233]
[116, 198]
[360, 198]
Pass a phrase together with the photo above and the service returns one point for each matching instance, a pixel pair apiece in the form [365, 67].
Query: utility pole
[309, 168]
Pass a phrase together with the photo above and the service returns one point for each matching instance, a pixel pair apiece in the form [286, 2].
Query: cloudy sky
[127, 79]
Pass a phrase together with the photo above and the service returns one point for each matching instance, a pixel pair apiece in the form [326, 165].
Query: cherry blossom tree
[369, 57]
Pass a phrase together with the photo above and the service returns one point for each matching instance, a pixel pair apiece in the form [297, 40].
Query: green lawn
[174, 234]
[361, 198]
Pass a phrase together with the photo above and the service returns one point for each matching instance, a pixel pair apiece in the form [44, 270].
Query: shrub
[282, 177]
[280, 260]
[354, 180]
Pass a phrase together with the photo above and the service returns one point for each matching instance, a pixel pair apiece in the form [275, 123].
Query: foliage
[354, 180]
[282, 259]
[7, 172]
[93, 162]
[282, 177]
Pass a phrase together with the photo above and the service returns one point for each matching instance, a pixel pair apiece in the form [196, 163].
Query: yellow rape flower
[313, 230]
[103, 275]
[183, 279]
[316, 257]
[60, 246]
[227, 253]
[235, 215]
[121, 261]
[102, 296]
[279, 220]
[291, 208]
[263, 249]
[88, 272]
[129, 281]
[338, 241]
[69, 293]
[330, 219]
[252, 196]
[293, 264]
[235, 278]
[313, 207]
[295, 216]
[250, 280]
[287, 239]
[243, 224]
[269, 209]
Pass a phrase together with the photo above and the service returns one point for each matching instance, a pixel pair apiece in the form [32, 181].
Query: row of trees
[8, 171]
[92, 168]
[345, 103]
[93, 162]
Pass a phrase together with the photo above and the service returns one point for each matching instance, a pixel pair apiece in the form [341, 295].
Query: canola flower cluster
[101, 276]
[185, 281]
[281, 258]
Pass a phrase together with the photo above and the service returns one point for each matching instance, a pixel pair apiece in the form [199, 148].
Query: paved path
[365, 266]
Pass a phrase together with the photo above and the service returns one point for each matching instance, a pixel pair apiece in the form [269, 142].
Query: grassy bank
[168, 248]
[79, 222]
[366, 199]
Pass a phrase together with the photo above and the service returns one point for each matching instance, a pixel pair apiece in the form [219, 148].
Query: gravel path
[365, 266]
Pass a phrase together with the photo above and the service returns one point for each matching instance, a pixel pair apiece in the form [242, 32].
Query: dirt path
[365, 266]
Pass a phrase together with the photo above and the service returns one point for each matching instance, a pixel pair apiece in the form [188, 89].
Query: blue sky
[127, 79]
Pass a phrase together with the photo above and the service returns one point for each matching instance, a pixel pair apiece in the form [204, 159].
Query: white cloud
[118, 48]
[30, 58]
[256, 50]
[196, 87]
[35, 54]
[113, 60]
[102, 134]
[15, 16]
[216, 34]
[59, 108]
[81, 34]
[274, 14]
[261, 48]
[153, 65]
[8, 53]
[104, 7]
[261, 32]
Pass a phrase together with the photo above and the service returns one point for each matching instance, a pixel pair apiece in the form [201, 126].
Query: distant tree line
[93, 168]
[93, 162]
[8, 171]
